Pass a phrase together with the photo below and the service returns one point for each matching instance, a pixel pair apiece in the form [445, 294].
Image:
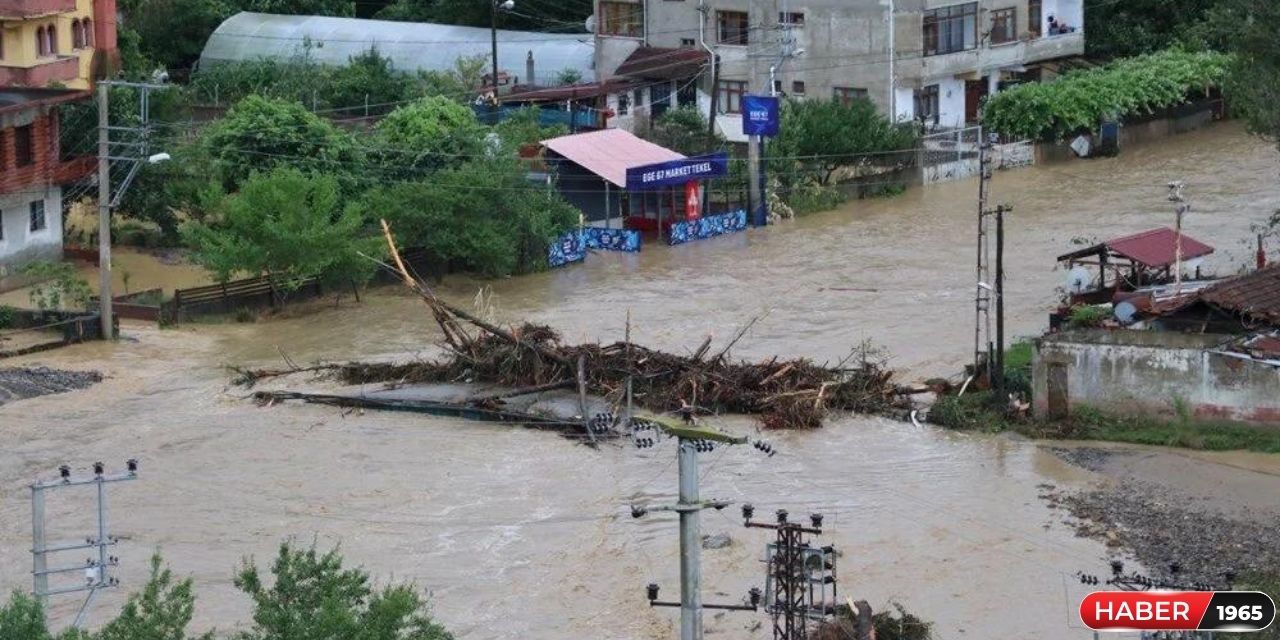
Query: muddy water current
[520, 534]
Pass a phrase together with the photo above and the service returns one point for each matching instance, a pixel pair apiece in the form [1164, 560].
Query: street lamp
[494, 6]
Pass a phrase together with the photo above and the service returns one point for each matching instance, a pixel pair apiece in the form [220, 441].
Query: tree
[161, 192]
[817, 137]
[288, 225]
[368, 77]
[459, 84]
[524, 126]
[315, 598]
[22, 618]
[1253, 82]
[161, 611]
[171, 33]
[259, 134]
[560, 17]
[482, 216]
[58, 286]
[682, 129]
[427, 134]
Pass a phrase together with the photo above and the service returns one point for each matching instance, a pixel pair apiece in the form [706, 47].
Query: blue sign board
[760, 115]
[664, 174]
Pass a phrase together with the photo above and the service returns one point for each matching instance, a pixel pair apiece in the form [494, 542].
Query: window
[791, 18]
[927, 104]
[40, 41]
[637, 97]
[37, 216]
[797, 87]
[622, 19]
[1034, 12]
[951, 29]
[731, 92]
[52, 35]
[23, 150]
[1, 43]
[846, 95]
[87, 26]
[1004, 26]
[732, 27]
[77, 34]
[777, 87]
[687, 42]
[624, 103]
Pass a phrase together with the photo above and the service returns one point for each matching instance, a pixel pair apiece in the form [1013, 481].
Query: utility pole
[982, 299]
[96, 571]
[691, 440]
[800, 579]
[104, 212]
[1181, 208]
[138, 151]
[998, 381]
[893, 79]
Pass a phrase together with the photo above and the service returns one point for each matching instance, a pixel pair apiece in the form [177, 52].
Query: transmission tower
[692, 440]
[96, 570]
[800, 579]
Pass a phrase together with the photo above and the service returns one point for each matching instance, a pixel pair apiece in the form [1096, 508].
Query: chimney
[529, 78]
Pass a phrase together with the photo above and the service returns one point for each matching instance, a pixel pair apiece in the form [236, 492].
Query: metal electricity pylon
[692, 440]
[96, 570]
[800, 578]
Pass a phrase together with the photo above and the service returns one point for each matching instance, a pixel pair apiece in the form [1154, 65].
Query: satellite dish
[1126, 312]
[1078, 280]
[590, 23]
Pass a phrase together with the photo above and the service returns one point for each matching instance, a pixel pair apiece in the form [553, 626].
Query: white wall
[20, 245]
[906, 104]
[950, 102]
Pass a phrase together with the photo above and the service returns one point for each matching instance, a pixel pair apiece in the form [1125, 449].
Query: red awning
[608, 153]
[1154, 249]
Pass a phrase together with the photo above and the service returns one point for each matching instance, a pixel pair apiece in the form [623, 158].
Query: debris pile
[793, 393]
[28, 382]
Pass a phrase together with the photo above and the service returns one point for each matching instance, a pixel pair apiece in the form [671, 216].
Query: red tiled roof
[608, 153]
[1255, 295]
[1157, 248]
[526, 93]
[663, 63]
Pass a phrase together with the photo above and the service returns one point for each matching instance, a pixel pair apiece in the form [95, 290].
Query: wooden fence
[229, 297]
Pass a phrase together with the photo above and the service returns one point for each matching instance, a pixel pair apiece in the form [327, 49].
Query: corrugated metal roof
[1255, 295]
[608, 153]
[1154, 248]
[411, 46]
[664, 63]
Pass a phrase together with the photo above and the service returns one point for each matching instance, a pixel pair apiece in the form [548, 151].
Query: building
[32, 171]
[524, 57]
[931, 60]
[64, 43]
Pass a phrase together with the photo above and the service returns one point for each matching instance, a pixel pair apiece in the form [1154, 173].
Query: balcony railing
[44, 72]
[19, 9]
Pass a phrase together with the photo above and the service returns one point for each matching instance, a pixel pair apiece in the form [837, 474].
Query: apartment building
[63, 43]
[929, 60]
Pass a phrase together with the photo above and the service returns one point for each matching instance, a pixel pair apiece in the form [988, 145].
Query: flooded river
[520, 534]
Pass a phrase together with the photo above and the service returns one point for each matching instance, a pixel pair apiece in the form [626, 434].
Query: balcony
[1011, 54]
[43, 73]
[23, 9]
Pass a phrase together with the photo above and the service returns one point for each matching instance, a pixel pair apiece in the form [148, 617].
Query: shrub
[970, 412]
[1087, 316]
[8, 315]
[426, 135]
[59, 286]
[1080, 100]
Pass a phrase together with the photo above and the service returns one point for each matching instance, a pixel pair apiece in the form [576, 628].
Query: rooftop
[1154, 248]
[1256, 295]
[608, 153]
[20, 98]
[664, 63]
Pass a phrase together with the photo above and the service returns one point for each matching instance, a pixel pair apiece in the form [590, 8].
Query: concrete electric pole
[95, 570]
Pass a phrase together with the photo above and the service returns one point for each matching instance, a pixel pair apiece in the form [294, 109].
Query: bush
[806, 198]
[1087, 316]
[1080, 100]
[973, 411]
[482, 216]
[8, 315]
[58, 286]
[683, 129]
[1017, 367]
[425, 136]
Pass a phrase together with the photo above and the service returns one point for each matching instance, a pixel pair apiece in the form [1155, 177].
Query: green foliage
[1254, 81]
[1086, 316]
[525, 127]
[161, 611]
[22, 618]
[170, 33]
[973, 411]
[459, 83]
[807, 197]
[315, 598]
[259, 134]
[1017, 367]
[561, 17]
[683, 129]
[817, 137]
[427, 134]
[286, 224]
[1135, 27]
[161, 191]
[1267, 582]
[346, 8]
[1095, 424]
[8, 315]
[568, 76]
[1079, 100]
[482, 216]
[58, 286]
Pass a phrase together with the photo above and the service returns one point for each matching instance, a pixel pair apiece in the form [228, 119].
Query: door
[974, 92]
[659, 98]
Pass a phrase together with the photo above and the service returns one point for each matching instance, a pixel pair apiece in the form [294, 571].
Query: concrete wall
[20, 245]
[846, 44]
[1145, 371]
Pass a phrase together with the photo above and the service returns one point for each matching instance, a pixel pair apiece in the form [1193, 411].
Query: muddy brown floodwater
[520, 534]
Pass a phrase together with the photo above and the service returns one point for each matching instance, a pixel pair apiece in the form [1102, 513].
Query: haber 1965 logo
[1177, 610]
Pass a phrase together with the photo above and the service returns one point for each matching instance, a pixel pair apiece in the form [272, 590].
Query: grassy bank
[975, 412]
